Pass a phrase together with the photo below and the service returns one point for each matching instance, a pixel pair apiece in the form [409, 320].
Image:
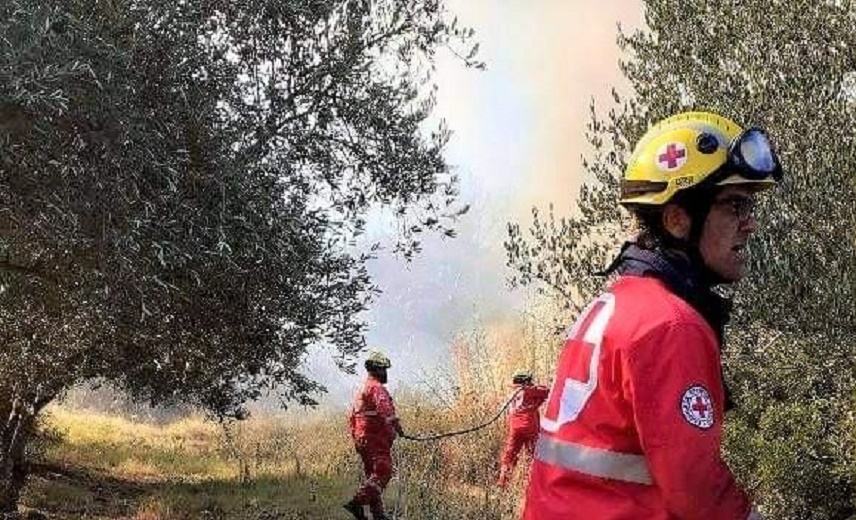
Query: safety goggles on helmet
[752, 156]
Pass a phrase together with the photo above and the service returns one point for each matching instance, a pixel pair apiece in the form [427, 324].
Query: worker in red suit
[523, 422]
[374, 426]
[633, 427]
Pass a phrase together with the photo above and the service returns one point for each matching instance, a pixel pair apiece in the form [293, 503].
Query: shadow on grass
[71, 493]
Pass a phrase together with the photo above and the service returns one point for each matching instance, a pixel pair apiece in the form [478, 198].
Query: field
[100, 467]
[297, 465]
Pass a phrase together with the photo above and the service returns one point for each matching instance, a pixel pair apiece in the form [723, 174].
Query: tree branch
[7, 265]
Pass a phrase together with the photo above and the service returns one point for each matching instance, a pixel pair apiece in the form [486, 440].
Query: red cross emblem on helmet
[671, 156]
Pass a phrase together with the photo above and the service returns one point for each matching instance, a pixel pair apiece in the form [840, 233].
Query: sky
[518, 133]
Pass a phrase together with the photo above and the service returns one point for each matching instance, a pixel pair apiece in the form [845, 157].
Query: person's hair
[649, 228]
[649, 219]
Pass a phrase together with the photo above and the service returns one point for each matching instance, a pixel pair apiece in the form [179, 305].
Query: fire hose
[435, 437]
[455, 433]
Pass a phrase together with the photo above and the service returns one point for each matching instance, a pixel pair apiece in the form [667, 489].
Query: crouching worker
[523, 422]
[374, 426]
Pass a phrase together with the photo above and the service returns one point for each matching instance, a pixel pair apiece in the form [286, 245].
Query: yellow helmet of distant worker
[521, 376]
[695, 148]
[377, 359]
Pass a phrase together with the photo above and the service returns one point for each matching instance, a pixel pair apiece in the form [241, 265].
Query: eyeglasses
[743, 208]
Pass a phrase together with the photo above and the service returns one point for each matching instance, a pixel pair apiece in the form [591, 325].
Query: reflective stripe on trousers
[374, 413]
[593, 461]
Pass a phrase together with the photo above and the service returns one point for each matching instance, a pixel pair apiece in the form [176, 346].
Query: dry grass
[107, 467]
[300, 466]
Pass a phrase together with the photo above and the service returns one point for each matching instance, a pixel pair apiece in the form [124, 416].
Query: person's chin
[732, 274]
[735, 275]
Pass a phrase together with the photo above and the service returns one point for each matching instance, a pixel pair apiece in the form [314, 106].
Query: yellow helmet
[521, 376]
[688, 149]
[377, 359]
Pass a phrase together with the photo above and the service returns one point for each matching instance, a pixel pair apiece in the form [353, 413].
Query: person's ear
[676, 221]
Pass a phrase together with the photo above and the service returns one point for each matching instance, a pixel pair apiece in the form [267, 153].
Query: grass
[105, 467]
[108, 467]
[301, 466]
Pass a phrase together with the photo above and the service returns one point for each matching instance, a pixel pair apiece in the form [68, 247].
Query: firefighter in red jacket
[523, 422]
[633, 425]
[374, 426]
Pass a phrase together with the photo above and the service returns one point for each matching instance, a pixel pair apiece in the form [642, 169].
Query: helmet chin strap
[698, 209]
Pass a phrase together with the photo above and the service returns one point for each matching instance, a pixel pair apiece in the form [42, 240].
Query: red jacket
[633, 425]
[372, 417]
[523, 416]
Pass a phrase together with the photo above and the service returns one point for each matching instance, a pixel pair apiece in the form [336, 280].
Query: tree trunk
[14, 466]
[12, 485]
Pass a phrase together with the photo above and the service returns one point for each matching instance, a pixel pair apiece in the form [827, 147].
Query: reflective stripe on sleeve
[593, 461]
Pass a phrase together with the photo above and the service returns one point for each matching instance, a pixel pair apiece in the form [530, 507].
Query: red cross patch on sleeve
[697, 407]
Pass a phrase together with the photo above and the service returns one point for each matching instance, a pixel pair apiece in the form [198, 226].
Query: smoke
[519, 132]
[546, 61]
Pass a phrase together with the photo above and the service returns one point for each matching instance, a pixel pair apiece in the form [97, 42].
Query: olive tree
[789, 67]
[182, 184]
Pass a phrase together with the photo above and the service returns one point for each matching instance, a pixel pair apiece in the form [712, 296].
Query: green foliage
[181, 184]
[181, 180]
[789, 67]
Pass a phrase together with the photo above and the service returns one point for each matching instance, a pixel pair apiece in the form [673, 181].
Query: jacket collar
[681, 276]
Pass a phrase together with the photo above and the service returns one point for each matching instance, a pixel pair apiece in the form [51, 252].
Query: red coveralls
[522, 427]
[633, 425]
[373, 422]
